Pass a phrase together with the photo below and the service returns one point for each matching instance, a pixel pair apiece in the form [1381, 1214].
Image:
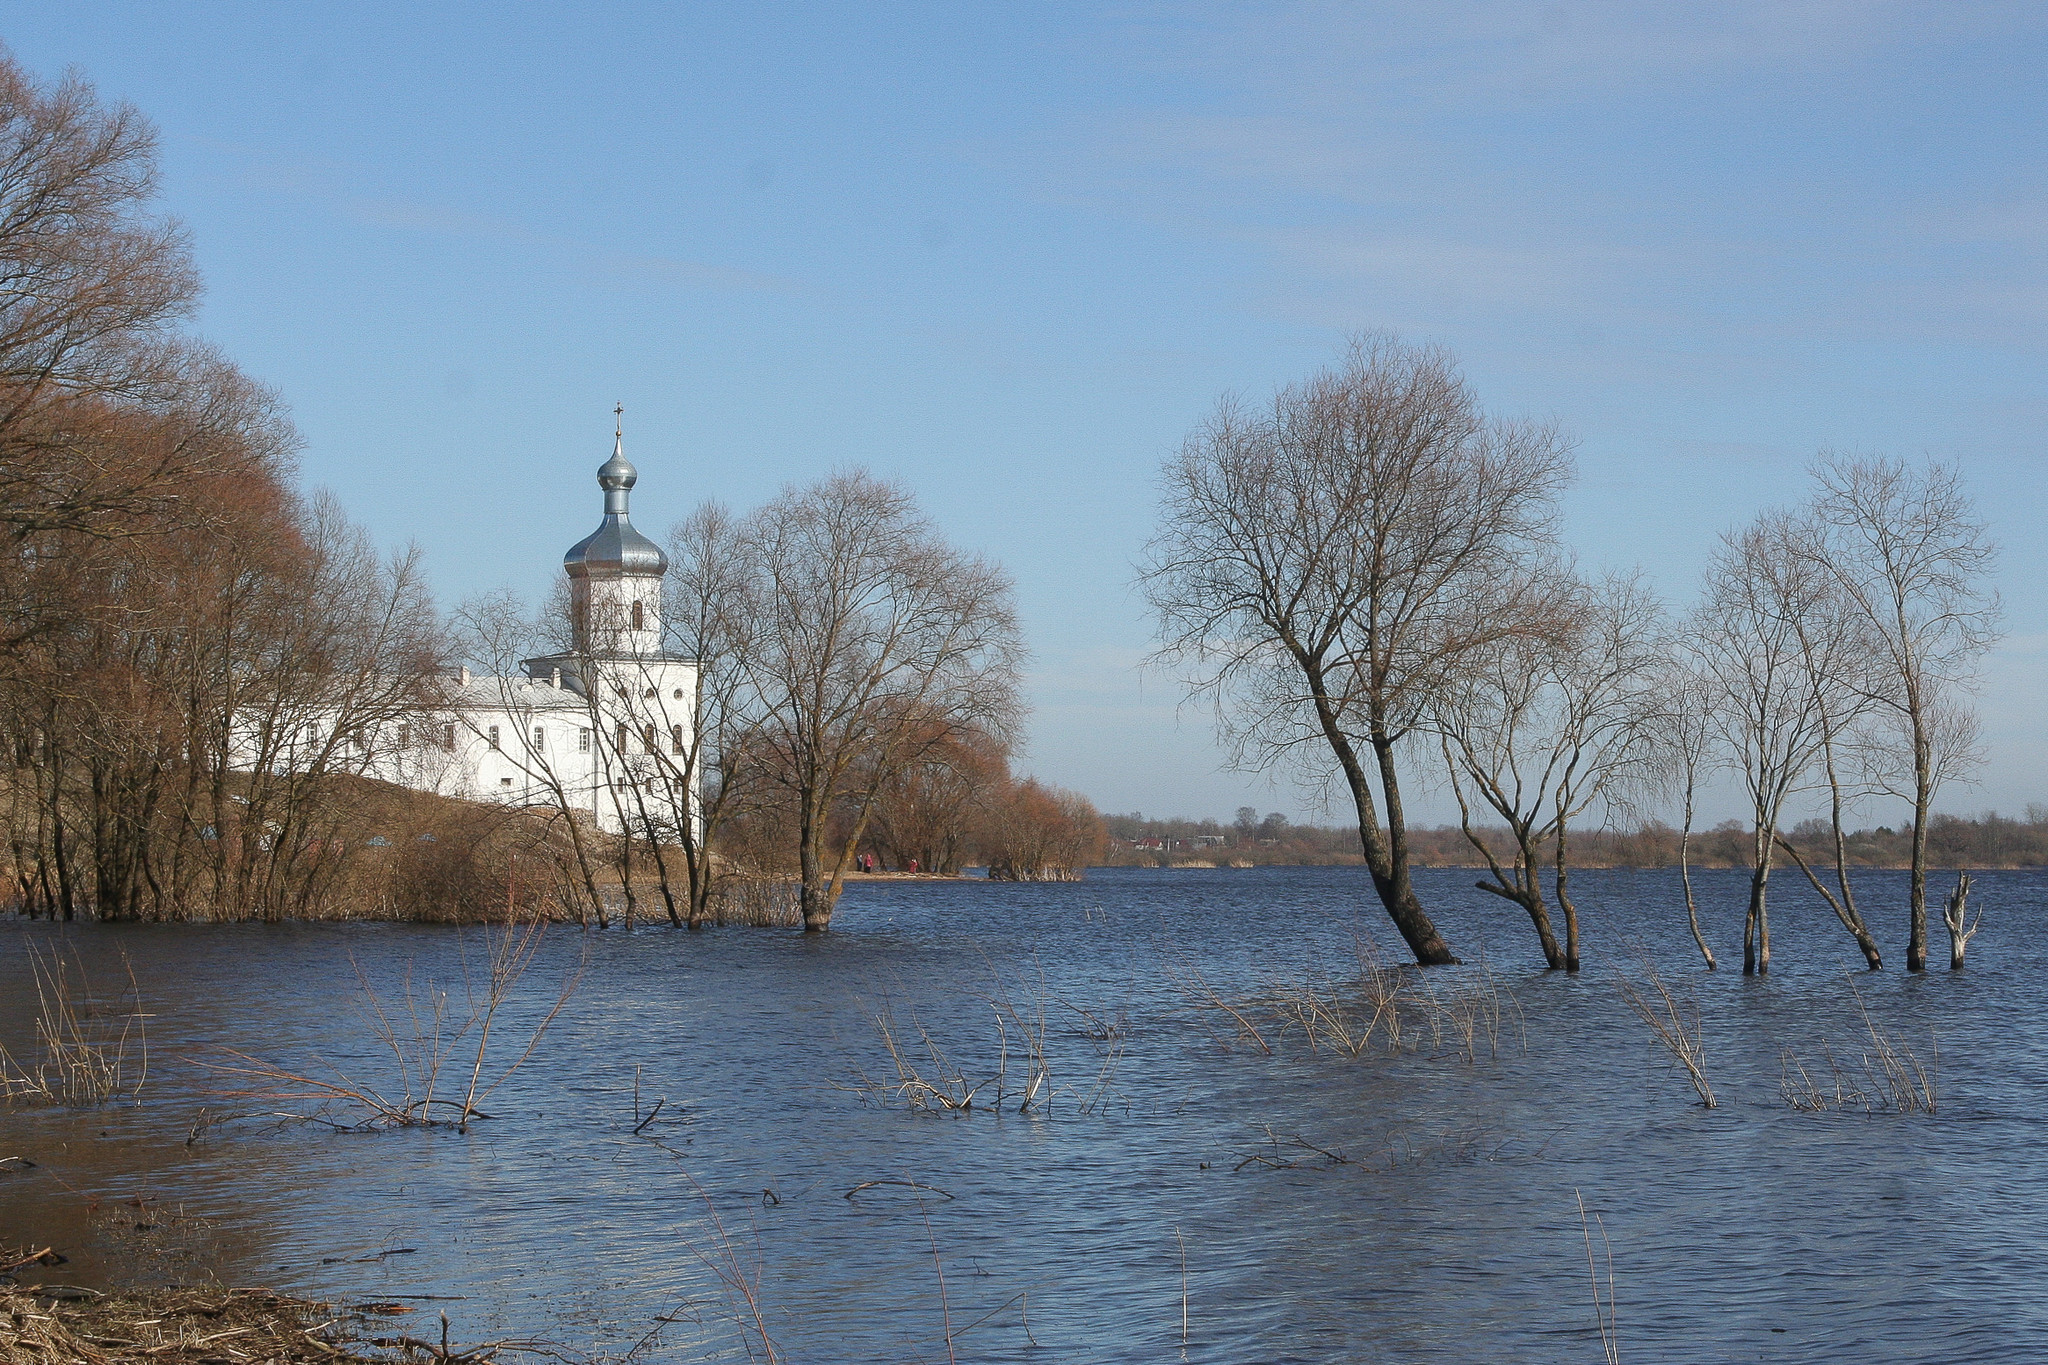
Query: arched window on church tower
[675, 738]
[622, 737]
[639, 618]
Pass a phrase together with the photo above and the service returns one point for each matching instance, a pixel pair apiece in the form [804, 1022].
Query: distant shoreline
[1197, 865]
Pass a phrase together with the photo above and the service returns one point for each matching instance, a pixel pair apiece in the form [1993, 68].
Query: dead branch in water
[1674, 1025]
[423, 1029]
[928, 1073]
[906, 1184]
[1955, 915]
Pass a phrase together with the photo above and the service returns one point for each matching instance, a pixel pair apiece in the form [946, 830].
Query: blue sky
[1010, 254]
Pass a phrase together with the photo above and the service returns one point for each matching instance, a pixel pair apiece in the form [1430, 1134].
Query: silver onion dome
[615, 548]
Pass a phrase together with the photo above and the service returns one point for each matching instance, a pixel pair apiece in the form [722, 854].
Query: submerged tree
[871, 640]
[1543, 725]
[1746, 636]
[1684, 729]
[710, 766]
[1326, 569]
[1036, 833]
[1840, 674]
[1910, 557]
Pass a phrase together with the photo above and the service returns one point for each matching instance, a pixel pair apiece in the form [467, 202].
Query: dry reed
[1603, 1296]
[83, 1047]
[1886, 1078]
[175, 1327]
[1378, 1008]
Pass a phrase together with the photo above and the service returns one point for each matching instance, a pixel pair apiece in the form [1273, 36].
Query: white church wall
[598, 731]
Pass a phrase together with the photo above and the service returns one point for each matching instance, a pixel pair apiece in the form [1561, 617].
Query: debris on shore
[57, 1325]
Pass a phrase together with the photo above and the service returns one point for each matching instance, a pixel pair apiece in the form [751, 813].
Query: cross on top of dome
[615, 549]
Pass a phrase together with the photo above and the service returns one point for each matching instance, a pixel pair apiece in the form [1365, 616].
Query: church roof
[615, 549]
[476, 693]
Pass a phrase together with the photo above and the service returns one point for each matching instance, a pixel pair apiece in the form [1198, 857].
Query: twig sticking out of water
[84, 1050]
[739, 1281]
[945, 1304]
[1603, 1300]
[1887, 1078]
[1675, 1025]
[1183, 1290]
[422, 1029]
[1207, 999]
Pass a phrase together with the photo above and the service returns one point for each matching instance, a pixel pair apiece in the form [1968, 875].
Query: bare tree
[1325, 568]
[1746, 638]
[929, 812]
[1036, 833]
[1542, 726]
[870, 635]
[1839, 676]
[341, 647]
[708, 766]
[1686, 731]
[91, 288]
[1909, 554]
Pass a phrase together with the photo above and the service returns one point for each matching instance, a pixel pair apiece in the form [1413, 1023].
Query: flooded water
[1296, 1206]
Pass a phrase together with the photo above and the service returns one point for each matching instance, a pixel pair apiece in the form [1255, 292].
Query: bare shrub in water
[83, 1049]
[1384, 1009]
[928, 1077]
[1886, 1078]
[429, 1036]
[1673, 1023]
[1013, 1068]
[760, 902]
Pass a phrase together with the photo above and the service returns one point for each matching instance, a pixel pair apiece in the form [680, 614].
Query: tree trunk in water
[1763, 923]
[1756, 934]
[819, 893]
[1923, 797]
[1385, 859]
[1531, 901]
[1956, 916]
[698, 863]
[1397, 892]
[1692, 912]
[1843, 906]
[1564, 901]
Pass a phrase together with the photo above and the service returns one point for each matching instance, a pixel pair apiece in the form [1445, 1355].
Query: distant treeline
[1989, 840]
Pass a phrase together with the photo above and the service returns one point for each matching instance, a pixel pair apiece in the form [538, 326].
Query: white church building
[603, 728]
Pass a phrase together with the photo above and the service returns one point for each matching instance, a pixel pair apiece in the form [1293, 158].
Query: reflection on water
[1416, 1208]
